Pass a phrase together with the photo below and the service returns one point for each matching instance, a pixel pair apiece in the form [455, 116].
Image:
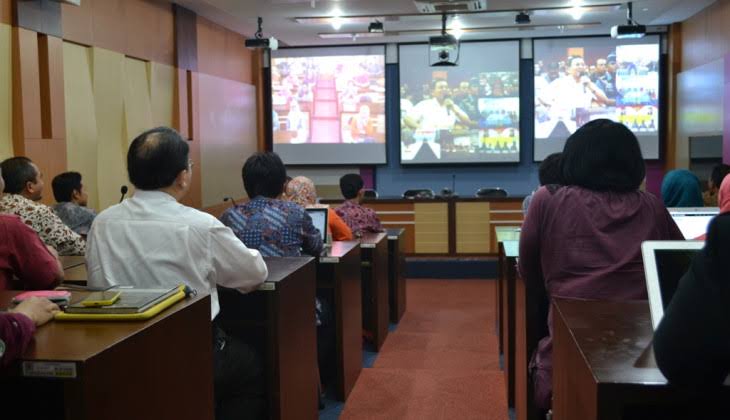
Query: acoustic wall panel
[227, 115]
[432, 228]
[137, 104]
[6, 92]
[472, 228]
[162, 94]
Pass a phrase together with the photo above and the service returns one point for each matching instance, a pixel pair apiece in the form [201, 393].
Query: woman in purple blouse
[583, 240]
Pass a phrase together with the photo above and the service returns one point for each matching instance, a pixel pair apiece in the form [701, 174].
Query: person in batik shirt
[360, 219]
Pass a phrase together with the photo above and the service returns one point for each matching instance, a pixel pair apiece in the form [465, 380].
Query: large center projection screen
[329, 105]
[578, 80]
[469, 113]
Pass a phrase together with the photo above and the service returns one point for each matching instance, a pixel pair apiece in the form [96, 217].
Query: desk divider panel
[432, 228]
[473, 233]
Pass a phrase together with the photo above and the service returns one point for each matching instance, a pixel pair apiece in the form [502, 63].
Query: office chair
[370, 194]
[490, 193]
[418, 193]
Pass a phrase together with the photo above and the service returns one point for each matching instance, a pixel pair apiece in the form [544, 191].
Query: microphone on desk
[231, 200]
[124, 192]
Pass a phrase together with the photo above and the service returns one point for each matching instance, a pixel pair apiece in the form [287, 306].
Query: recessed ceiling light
[336, 20]
[456, 29]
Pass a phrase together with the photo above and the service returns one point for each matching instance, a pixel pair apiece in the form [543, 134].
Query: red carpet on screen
[442, 361]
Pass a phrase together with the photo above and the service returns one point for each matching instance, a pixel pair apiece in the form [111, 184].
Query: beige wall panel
[472, 228]
[81, 132]
[137, 104]
[108, 83]
[227, 115]
[162, 94]
[6, 92]
[432, 228]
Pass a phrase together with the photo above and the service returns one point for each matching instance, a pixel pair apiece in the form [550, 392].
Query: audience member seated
[723, 195]
[72, 199]
[719, 172]
[360, 219]
[18, 325]
[275, 227]
[301, 190]
[151, 240]
[23, 189]
[548, 174]
[583, 240]
[692, 342]
[24, 257]
[681, 188]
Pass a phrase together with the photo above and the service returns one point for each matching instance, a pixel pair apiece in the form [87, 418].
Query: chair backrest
[419, 193]
[370, 194]
[491, 193]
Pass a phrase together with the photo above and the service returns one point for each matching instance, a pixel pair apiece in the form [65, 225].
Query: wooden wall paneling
[191, 84]
[6, 89]
[108, 77]
[181, 118]
[42, 16]
[109, 24]
[6, 11]
[137, 103]
[238, 58]
[81, 130]
[53, 117]
[674, 66]
[211, 48]
[473, 233]
[162, 94]
[77, 22]
[257, 72]
[50, 157]
[186, 38]
[26, 88]
[432, 228]
[150, 30]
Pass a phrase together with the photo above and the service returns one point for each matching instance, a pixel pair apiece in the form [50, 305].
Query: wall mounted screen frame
[338, 96]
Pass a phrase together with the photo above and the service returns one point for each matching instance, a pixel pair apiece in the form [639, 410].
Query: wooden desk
[396, 274]
[338, 273]
[603, 370]
[280, 316]
[509, 251]
[161, 368]
[375, 285]
[70, 261]
[503, 233]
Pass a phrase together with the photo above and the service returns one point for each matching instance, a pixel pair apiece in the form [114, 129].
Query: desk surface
[81, 341]
[507, 233]
[370, 239]
[70, 261]
[338, 250]
[281, 267]
[612, 337]
[511, 249]
[394, 233]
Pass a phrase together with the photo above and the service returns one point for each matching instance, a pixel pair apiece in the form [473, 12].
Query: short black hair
[264, 174]
[156, 157]
[64, 185]
[573, 58]
[550, 171]
[718, 174]
[603, 156]
[350, 185]
[17, 172]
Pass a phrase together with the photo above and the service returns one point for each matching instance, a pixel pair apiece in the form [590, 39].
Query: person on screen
[301, 190]
[692, 342]
[548, 174]
[275, 227]
[681, 188]
[152, 240]
[437, 113]
[296, 122]
[576, 90]
[605, 80]
[469, 101]
[71, 199]
[598, 220]
[718, 174]
[362, 126]
[723, 195]
[359, 218]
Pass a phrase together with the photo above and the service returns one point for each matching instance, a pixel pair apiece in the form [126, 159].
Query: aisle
[440, 363]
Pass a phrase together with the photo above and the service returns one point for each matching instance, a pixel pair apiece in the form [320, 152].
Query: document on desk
[131, 301]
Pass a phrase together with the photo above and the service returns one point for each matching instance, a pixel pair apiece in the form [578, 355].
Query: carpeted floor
[440, 363]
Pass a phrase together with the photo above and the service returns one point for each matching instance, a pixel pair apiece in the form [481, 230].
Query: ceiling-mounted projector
[259, 42]
[631, 29]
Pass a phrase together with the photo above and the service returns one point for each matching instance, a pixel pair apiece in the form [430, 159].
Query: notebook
[693, 221]
[131, 301]
[665, 262]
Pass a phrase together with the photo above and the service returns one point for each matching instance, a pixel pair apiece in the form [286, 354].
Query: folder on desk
[133, 304]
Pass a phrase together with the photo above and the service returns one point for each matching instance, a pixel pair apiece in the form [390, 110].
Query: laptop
[319, 218]
[693, 221]
[665, 262]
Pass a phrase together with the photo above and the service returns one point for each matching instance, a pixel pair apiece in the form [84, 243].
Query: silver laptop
[319, 218]
[693, 221]
[665, 262]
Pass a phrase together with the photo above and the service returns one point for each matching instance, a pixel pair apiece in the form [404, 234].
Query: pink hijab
[723, 195]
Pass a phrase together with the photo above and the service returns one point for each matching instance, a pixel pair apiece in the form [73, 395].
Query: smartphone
[104, 298]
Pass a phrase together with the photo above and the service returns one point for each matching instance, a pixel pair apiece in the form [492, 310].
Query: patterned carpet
[441, 363]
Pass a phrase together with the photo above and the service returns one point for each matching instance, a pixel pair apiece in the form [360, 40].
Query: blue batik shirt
[276, 228]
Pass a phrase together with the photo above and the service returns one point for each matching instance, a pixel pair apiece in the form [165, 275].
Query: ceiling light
[576, 12]
[522, 18]
[457, 30]
[336, 20]
[375, 27]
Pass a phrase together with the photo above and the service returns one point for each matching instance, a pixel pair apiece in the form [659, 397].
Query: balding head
[156, 157]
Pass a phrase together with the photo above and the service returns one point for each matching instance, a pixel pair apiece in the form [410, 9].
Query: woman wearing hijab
[583, 240]
[692, 342]
[723, 195]
[681, 188]
[300, 190]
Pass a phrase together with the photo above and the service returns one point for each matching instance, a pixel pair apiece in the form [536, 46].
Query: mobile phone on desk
[105, 298]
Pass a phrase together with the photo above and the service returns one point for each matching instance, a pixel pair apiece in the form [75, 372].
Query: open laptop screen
[319, 218]
[693, 222]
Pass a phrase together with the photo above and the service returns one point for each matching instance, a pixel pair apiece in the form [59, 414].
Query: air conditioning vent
[445, 6]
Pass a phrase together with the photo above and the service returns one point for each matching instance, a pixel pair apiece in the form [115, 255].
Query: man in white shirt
[152, 241]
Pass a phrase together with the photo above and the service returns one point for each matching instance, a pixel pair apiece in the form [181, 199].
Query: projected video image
[580, 80]
[320, 99]
[463, 114]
